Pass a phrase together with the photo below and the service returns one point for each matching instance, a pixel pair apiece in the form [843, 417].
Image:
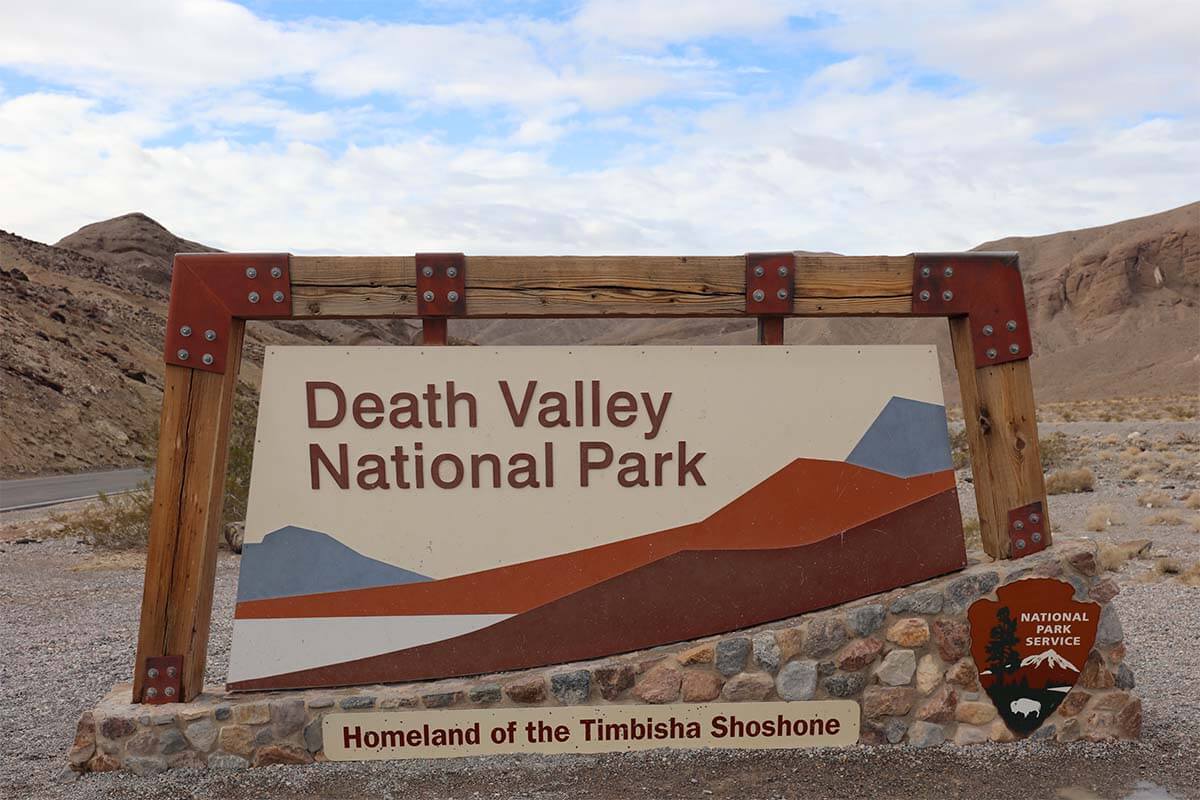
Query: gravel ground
[68, 620]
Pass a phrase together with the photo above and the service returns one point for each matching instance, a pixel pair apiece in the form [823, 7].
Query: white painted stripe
[265, 647]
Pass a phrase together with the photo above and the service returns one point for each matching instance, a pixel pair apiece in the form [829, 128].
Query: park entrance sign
[427, 513]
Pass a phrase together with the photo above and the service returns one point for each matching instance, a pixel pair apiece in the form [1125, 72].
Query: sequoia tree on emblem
[1029, 646]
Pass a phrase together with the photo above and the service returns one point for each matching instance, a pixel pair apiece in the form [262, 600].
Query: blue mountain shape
[293, 561]
[909, 437]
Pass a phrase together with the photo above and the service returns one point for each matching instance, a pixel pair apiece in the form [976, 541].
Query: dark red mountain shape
[765, 517]
[682, 596]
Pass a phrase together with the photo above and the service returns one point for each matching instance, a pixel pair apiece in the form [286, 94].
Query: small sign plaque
[580, 729]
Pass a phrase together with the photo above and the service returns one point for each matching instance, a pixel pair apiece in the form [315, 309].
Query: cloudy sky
[600, 126]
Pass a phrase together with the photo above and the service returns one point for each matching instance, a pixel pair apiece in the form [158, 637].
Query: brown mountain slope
[1115, 311]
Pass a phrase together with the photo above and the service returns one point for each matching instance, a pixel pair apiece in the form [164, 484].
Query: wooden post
[1001, 424]
[189, 488]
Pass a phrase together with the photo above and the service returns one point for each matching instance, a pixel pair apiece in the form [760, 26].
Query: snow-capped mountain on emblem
[1026, 645]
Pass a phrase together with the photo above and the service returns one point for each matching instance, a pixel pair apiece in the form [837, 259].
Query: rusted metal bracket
[770, 283]
[209, 291]
[986, 288]
[163, 676]
[441, 284]
[1027, 530]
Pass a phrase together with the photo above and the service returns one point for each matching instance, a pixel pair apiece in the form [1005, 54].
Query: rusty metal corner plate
[1027, 528]
[162, 681]
[441, 284]
[984, 287]
[770, 283]
[209, 291]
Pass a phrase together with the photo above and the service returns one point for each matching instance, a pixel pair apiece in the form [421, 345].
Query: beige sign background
[382, 735]
[751, 410]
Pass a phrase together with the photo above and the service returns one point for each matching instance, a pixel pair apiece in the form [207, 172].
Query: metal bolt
[210, 336]
[278, 297]
[428, 297]
[452, 296]
[1019, 525]
[759, 272]
[252, 297]
[151, 692]
[1020, 544]
[1035, 518]
[251, 272]
[169, 691]
[1011, 325]
[947, 295]
[988, 330]
[427, 272]
[1037, 537]
[758, 295]
[783, 271]
[276, 272]
[171, 672]
[186, 330]
[924, 294]
[152, 673]
[1014, 348]
[452, 272]
[949, 273]
[991, 352]
[926, 272]
[782, 294]
[207, 358]
[182, 354]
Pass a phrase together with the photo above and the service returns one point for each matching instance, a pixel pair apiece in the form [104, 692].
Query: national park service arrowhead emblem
[1029, 647]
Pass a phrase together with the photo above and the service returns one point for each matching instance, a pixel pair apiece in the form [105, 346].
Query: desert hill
[1115, 312]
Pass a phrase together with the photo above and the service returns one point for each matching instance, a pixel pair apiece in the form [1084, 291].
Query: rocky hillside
[1115, 309]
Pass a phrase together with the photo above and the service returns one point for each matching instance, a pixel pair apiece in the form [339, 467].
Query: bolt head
[1014, 348]
[783, 272]
[988, 330]
[452, 296]
[1037, 537]
[428, 297]
[276, 272]
[1011, 325]
[452, 272]
[207, 358]
[1035, 518]
[251, 272]
[278, 297]
[782, 294]
[759, 272]
[252, 297]
[991, 352]
[949, 272]
[169, 691]
[1020, 544]
[926, 272]
[1019, 525]
[947, 295]
[181, 354]
[171, 672]
[210, 336]
[924, 294]
[152, 673]
[427, 272]
[151, 692]
[758, 295]
[185, 330]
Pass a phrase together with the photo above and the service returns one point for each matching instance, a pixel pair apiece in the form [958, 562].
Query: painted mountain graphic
[1049, 659]
[297, 561]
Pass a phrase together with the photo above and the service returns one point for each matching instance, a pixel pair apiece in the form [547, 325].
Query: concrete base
[903, 656]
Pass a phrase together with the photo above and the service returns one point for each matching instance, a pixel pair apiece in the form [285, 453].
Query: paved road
[34, 492]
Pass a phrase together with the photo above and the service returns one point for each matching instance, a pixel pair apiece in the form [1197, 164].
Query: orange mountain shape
[833, 497]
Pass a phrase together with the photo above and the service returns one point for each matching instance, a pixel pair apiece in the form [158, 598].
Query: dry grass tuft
[971, 534]
[1165, 518]
[1166, 565]
[1191, 575]
[1112, 555]
[1154, 499]
[1067, 481]
[1192, 500]
[1103, 517]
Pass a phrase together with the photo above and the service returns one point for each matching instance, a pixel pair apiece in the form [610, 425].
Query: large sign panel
[423, 513]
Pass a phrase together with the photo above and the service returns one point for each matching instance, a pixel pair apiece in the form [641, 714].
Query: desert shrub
[241, 454]
[1101, 518]
[1154, 499]
[1055, 448]
[1165, 518]
[959, 455]
[1165, 565]
[1112, 555]
[114, 522]
[971, 535]
[1067, 481]
[1191, 575]
[1192, 500]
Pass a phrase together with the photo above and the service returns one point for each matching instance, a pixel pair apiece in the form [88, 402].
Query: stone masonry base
[903, 656]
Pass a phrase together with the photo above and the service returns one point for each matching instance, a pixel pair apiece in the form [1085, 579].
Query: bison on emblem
[1029, 646]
